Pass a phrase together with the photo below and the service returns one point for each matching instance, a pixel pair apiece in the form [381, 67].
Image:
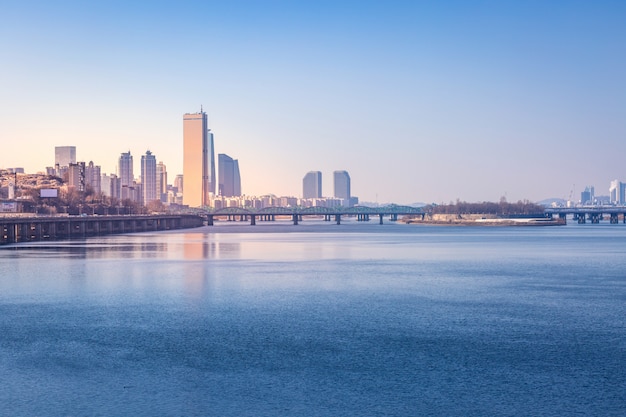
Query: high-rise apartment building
[125, 174]
[341, 185]
[110, 185]
[76, 176]
[64, 155]
[125, 169]
[198, 160]
[161, 182]
[229, 179]
[93, 177]
[149, 177]
[312, 185]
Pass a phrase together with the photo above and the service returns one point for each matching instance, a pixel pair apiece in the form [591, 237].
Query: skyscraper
[92, 177]
[64, 155]
[229, 179]
[198, 160]
[125, 173]
[341, 182]
[212, 177]
[149, 177]
[312, 185]
[125, 169]
[161, 182]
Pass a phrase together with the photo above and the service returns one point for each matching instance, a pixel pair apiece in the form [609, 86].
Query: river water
[318, 320]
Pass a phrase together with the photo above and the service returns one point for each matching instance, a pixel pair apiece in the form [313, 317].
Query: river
[317, 319]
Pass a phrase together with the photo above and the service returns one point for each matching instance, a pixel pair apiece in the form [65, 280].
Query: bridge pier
[252, 220]
[22, 233]
[11, 233]
[295, 219]
[380, 220]
[338, 218]
[614, 219]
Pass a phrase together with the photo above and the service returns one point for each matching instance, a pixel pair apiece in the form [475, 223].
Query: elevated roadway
[592, 214]
[296, 214]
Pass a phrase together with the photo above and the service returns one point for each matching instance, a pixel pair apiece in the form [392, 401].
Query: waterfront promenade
[37, 228]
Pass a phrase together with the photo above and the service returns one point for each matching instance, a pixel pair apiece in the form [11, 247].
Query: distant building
[229, 179]
[587, 196]
[149, 177]
[178, 183]
[125, 173]
[617, 192]
[211, 163]
[341, 182]
[110, 186]
[76, 176]
[64, 156]
[312, 185]
[198, 160]
[93, 177]
[161, 182]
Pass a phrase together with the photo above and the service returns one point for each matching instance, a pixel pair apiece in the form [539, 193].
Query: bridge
[296, 214]
[28, 229]
[592, 213]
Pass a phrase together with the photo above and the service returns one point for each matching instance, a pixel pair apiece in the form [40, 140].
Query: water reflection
[187, 246]
[208, 246]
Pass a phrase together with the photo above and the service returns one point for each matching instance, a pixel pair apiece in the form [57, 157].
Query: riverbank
[482, 220]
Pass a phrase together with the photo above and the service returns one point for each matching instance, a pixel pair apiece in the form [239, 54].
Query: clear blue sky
[420, 101]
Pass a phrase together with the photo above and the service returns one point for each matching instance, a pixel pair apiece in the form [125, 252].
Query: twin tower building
[312, 187]
[200, 181]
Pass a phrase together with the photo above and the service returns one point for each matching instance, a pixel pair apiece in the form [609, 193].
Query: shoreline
[488, 222]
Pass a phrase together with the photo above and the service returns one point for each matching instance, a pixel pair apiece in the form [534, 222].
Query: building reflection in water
[198, 246]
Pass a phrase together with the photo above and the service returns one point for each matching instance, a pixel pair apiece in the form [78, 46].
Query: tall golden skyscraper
[198, 160]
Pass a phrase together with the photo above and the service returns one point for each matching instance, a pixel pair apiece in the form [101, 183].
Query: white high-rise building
[617, 192]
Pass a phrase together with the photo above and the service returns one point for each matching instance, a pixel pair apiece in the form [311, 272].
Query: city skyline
[420, 102]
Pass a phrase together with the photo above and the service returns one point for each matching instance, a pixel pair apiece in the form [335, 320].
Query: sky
[420, 101]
